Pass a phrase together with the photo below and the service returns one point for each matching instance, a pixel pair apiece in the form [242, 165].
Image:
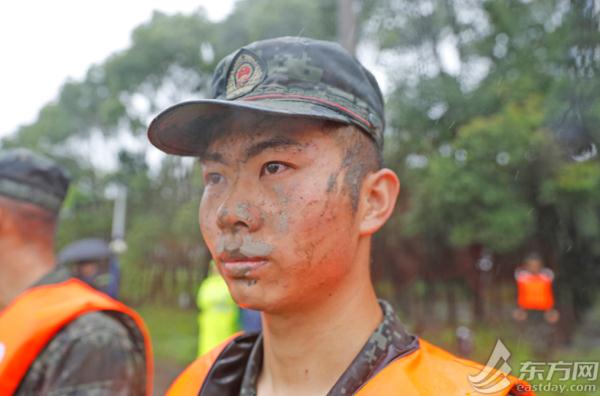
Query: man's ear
[378, 199]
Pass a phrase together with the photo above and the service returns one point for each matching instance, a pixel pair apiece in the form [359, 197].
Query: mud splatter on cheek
[332, 182]
[282, 196]
[283, 223]
[263, 216]
[283, 217]
[352, 183]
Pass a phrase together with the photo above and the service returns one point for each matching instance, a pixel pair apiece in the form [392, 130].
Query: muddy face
[273, 216]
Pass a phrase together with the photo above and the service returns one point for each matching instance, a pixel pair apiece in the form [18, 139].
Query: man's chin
[260, 296]
[247, 293]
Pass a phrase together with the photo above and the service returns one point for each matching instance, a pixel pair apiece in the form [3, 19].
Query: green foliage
[176, 342]
[575, 191]
[579, 180]
[534, 106]
[494, 136]
[473, 191]
[253, 20]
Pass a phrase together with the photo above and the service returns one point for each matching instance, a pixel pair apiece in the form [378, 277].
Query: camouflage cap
[287, 76]
[32, 178]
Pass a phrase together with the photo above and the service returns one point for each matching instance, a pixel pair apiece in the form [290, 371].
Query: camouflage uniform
[389, 340]
[99, 353]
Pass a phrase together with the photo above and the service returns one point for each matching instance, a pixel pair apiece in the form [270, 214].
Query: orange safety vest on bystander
[535, 291]
[30, 322]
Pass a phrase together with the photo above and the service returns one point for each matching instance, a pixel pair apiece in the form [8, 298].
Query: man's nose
[239, 212]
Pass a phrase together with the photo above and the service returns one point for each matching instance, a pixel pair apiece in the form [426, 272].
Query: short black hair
[361, 156]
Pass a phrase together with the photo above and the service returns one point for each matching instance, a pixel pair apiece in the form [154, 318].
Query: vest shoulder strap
[190, 381]
[430, 370]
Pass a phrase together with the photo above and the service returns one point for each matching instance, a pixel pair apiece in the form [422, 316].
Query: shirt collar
[388, 342]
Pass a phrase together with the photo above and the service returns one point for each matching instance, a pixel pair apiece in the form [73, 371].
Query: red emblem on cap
[243, 74]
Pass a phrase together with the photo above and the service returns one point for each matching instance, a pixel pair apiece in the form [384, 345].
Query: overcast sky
[45, 42]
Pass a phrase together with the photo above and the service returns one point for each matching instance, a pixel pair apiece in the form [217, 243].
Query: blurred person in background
[92, 261]
[114, 282]
[535, 295]
[218, 316]
[465, 341]
[535, 310]
[291, 152]
[58, 336]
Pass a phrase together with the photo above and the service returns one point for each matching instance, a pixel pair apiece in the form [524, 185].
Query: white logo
[492, 379]
[2, 350]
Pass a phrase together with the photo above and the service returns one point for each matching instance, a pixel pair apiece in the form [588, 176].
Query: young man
[290, 148]
[58, 336]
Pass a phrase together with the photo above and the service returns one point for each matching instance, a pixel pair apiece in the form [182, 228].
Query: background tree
[492, 114]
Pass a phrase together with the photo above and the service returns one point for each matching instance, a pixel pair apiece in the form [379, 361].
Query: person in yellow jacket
[290, 144]
[218, 316]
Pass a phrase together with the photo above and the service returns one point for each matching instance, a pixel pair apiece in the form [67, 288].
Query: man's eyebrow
[277, 141]
[214, 157]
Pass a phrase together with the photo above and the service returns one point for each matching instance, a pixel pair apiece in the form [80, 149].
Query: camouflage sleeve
[96, 354]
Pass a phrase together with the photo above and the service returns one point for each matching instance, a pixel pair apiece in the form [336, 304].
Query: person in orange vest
[58, 336]
[534, 290]
[290, 144]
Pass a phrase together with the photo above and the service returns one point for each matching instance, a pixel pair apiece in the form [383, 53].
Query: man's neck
[306, 353]
[22, 267]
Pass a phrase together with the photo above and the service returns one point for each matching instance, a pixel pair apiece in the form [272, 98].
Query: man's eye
[213, 178]
[271, 168]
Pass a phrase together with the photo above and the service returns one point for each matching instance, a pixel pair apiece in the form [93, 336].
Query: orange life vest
[428, 370]
[535, 291]
[30, 322]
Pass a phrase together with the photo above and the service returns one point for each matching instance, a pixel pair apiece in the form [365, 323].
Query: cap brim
[182, 128]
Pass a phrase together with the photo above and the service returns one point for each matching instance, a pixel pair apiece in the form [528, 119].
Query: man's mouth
[241, 267]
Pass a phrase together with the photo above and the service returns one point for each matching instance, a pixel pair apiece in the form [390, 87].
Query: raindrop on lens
[503, 158]
[460, 155]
